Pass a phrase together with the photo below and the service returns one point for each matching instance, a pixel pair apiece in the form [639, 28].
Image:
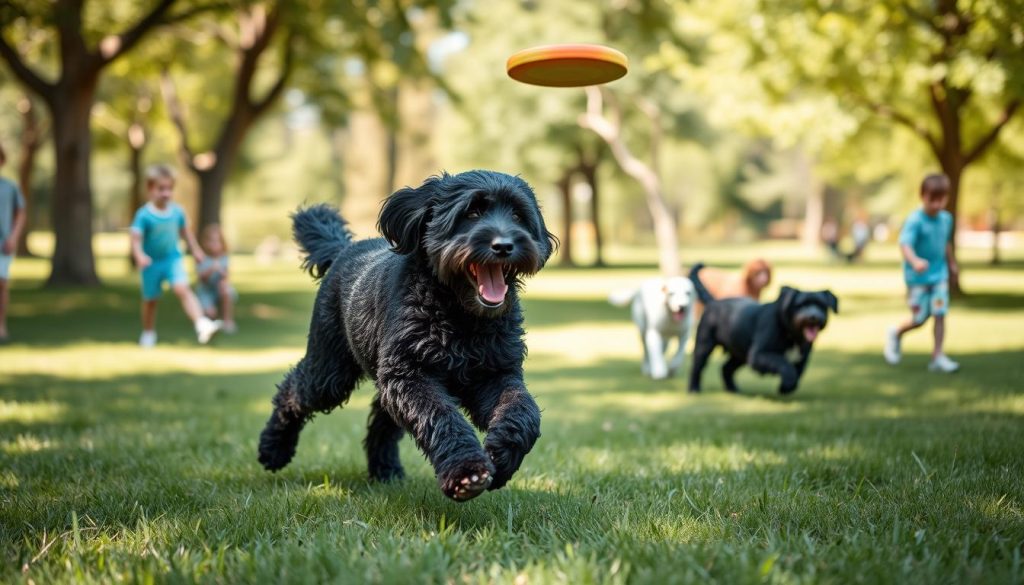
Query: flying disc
[567, 65]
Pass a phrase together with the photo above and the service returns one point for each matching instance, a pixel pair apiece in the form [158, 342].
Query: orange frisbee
[567, 65]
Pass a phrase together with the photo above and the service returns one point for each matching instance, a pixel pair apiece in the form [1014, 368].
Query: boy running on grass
[925, 242]
[154, 233]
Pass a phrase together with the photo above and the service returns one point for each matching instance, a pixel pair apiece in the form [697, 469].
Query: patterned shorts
[928, 300]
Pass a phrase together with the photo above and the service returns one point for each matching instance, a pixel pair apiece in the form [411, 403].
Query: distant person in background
[830, 236]
[12, 220]
[860, 232]
[214, 290]
[154, 234]
[926, 245]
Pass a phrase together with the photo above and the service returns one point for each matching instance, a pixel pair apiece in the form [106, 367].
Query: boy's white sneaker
[942, 363]
[206, 329]
[892, 347]
[147, 339]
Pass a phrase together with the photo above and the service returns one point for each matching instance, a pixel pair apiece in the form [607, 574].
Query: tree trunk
[31, 140]
[646, 174]
[994, 212]
[73, 261]
[954, 170]
[211, 191]
[814, 210]
[565, 192]
[135, 194]
[589, 172]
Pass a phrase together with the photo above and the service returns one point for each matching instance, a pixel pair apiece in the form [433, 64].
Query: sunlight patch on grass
[582, 344]
[27, 413]
[25, 444]
[104, 361]
[31, 412]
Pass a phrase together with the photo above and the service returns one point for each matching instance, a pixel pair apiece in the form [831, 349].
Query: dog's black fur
[763, 336]
[408, 311]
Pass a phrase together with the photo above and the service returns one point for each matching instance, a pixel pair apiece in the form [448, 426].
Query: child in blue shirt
[926, 245]
[154, 234]
[214, 289]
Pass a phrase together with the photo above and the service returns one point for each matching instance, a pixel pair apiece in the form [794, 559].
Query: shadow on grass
[58, 318]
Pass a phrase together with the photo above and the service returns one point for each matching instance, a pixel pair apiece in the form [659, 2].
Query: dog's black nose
[502, 246]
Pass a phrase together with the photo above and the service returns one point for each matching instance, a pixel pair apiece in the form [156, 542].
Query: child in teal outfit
[154, 235]
[926, 245]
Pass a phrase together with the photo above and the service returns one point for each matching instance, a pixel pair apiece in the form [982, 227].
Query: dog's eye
[516, 216]
[473, 214]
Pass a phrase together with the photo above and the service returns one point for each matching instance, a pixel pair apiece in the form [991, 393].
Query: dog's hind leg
[281, 434]
[729, 372]
[381, 444]
[320, 382]
[702, 348]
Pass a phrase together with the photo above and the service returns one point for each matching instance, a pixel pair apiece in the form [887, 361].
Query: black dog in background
[772, 338]
[431, 314]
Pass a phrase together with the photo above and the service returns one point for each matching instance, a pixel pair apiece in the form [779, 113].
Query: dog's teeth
[475, 478]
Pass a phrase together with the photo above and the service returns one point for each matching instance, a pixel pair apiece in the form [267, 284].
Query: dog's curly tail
[322, 233]
[703, 293]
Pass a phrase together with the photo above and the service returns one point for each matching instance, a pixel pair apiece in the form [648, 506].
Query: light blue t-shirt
[928, 237]
[10, 202]
[160, 229]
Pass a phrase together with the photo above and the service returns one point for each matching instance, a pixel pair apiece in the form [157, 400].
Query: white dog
[662, 310]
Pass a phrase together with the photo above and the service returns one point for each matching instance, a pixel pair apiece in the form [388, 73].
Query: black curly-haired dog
[431, 314]
[772, 338]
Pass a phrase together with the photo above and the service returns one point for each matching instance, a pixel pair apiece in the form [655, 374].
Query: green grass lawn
[118, 463]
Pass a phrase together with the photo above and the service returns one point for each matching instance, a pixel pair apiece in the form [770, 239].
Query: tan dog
[754, 278]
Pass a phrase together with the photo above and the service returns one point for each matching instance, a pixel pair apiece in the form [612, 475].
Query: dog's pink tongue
[491, 283]
[811, 333]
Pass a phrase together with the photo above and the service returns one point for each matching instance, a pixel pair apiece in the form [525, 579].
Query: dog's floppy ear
[787, 296]
[403, 218]
[547, 241]
[830, 300]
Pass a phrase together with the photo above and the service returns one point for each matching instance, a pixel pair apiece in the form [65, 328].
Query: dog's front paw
[659, 372]
[787, 388]
[466, 480]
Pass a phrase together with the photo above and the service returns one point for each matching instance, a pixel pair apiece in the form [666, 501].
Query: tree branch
[22, 71]
[594, 119]
[905, 120]
[282, 81]
[987, 140]
[114, 46]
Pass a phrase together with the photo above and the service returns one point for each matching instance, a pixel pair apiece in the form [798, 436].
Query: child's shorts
[170, 270]
[5, 266]
[927, 300]
[209, 298]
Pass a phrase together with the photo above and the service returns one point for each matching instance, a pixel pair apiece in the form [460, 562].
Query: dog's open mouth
[491, 287]
[811, 332]
[678, 314]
